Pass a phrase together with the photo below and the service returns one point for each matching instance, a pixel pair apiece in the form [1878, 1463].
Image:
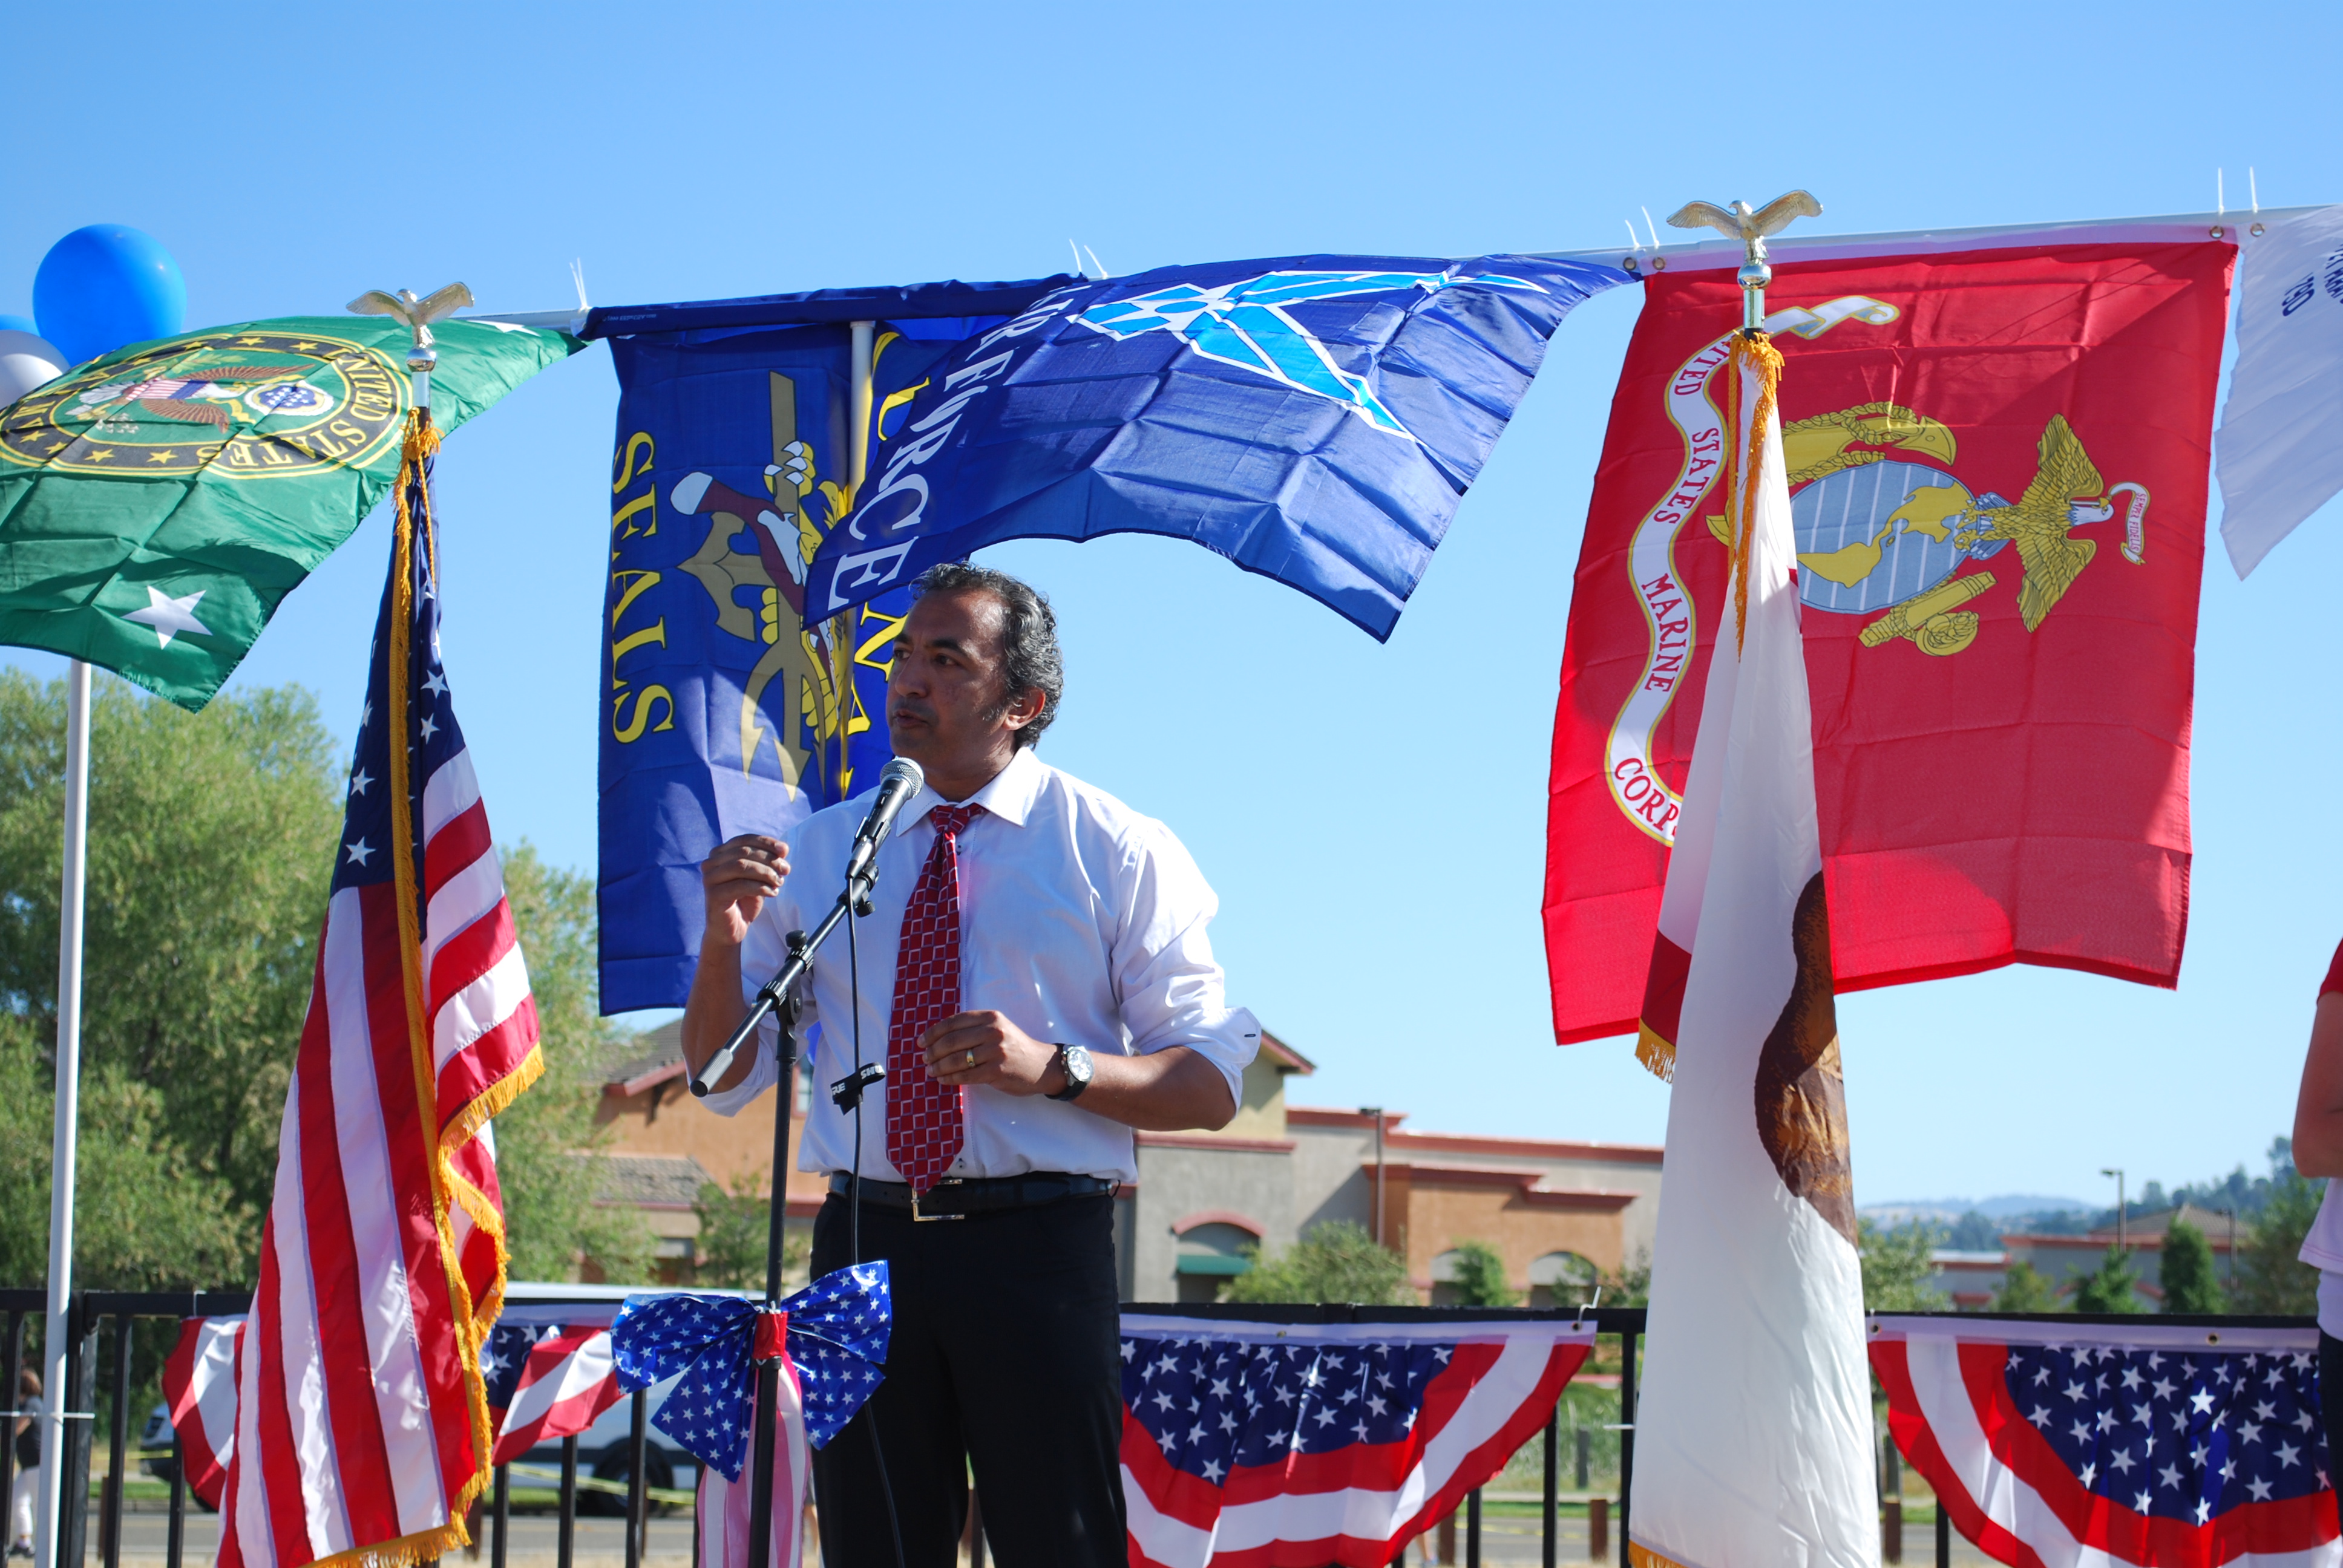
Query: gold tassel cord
[1750, 350]
[1745, 469]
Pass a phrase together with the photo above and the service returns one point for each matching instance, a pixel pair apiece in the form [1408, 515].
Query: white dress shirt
[1081, 920]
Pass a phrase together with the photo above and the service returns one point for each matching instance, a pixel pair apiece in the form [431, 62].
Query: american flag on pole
[547, 1381]
[199, 1390]
[1248, 1445]
[362, 1430]
[2069, 1444]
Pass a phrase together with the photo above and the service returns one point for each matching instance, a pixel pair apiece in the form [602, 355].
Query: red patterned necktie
[925, 1127]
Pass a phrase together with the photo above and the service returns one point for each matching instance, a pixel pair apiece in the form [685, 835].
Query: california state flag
[1753, 1437]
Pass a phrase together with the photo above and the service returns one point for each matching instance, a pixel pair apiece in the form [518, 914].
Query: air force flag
[1313, 419]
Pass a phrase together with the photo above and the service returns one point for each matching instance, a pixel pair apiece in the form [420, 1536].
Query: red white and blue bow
[834, 1333]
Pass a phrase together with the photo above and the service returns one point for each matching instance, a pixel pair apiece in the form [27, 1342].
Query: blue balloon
[105, 285]
[18, 324]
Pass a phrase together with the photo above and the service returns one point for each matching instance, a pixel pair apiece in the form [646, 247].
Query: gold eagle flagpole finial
[1750, 227]
[418, 314]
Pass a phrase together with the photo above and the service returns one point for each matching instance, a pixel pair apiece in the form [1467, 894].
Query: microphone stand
[769, 1373]
[779, 996]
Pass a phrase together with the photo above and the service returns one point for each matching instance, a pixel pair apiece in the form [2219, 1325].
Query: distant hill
[2007, 1206]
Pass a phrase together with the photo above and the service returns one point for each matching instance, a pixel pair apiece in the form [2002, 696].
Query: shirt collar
[1009, 795]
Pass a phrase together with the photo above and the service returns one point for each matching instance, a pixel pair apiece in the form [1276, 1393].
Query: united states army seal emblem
[244, 404]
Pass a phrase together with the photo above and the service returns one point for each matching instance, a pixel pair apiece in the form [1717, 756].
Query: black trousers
[1004, 1360]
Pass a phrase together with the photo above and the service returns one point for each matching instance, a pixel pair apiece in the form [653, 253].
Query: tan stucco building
[1557, 1212]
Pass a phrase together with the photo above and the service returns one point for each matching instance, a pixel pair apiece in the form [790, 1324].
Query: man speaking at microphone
[1036, 978]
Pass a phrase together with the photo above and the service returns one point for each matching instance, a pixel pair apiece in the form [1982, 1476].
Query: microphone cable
[854, 1225]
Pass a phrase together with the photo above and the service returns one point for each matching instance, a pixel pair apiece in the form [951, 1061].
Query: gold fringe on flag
[1658, 1053]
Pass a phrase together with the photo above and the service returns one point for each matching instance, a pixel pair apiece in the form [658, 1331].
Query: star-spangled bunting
[1210, 1405]
[2175, 1436]
[2190, 1446]
[836, 1336]
[1333, 1443]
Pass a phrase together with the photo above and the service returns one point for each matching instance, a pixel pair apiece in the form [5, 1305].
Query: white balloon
[26, 362]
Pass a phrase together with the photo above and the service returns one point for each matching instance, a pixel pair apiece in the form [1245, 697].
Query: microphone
[901, 779]
[898, 782]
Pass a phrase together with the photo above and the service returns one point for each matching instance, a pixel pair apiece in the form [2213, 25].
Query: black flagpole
[769, 1372]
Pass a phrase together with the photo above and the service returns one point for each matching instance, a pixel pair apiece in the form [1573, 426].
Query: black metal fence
[104, 1326]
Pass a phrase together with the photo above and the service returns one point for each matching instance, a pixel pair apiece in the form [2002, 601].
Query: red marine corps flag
[1996, 449]
[362, 1422]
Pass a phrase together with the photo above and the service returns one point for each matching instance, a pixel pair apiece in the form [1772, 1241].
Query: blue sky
[1372, 816]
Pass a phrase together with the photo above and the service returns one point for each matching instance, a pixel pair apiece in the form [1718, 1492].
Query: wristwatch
[1077, 1063]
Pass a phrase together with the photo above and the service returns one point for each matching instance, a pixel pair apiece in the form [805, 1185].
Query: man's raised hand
[737, 878]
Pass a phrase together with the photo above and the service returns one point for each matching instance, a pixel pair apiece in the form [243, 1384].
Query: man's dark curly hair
[1029, 634]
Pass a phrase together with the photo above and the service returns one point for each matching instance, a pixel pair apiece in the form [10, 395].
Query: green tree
[211, 846]
[2109, 1288]
[2024, 1290]
[1481, 1277]
[1629, 1284]
[735, 1230]
[2270, 1277]
[211, 850]
[144, 1218]
[1899, 1267]
[548, 1149]
[2189, 1283]
[1334, 1261]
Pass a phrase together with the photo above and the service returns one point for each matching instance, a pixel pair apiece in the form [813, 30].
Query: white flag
[2280, 455]
[1752, 1434]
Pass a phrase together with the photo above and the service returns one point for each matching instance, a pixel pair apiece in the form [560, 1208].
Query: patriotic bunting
[830, 1338]
[1252, 1444]
[2058, 1444]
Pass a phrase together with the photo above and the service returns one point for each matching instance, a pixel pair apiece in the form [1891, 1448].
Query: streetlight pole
[2122, 1236]
[1377, 1112]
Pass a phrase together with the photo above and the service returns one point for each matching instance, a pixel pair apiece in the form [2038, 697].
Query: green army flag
[158, 502]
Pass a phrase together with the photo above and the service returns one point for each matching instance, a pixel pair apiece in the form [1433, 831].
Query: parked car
[157, 1434]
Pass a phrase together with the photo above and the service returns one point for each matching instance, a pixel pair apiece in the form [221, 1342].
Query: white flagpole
[54, 1392]
[858, 401]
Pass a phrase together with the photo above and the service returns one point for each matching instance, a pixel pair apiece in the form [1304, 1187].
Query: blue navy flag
[836, 1340]
[727, 709]
[1313, 419]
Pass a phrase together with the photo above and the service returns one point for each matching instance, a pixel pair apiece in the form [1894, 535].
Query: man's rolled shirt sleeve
[761, 956]
[1171, 991]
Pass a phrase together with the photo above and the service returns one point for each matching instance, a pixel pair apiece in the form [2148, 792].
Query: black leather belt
[956, 1199]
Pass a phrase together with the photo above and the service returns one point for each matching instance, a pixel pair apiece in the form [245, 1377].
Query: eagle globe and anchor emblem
[1880, 533]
